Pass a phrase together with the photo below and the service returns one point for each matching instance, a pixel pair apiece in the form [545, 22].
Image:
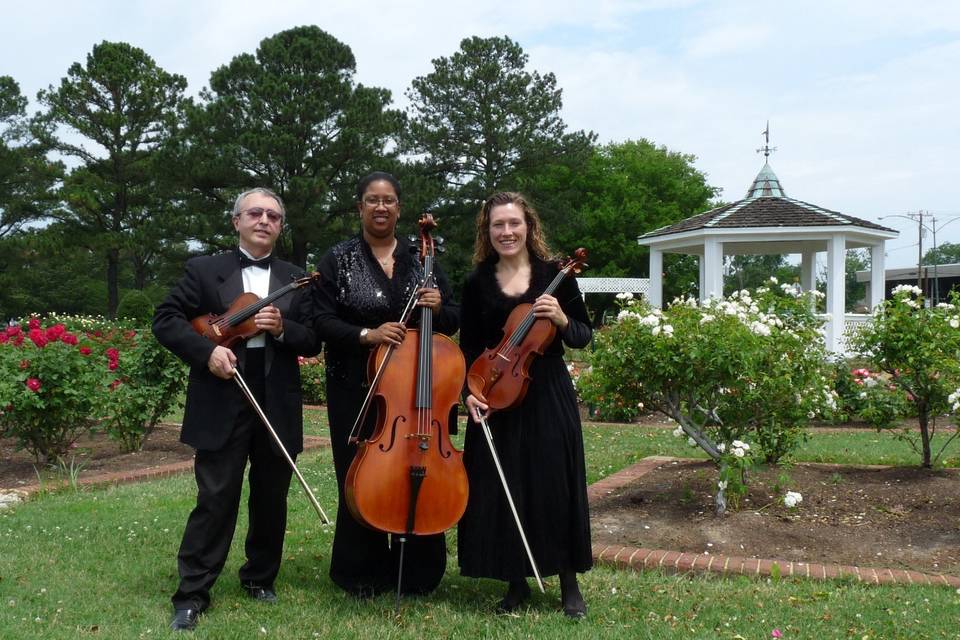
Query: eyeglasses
[374, 201]
[255, 213]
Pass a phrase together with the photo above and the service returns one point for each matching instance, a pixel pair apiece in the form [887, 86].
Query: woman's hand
[546, 306]
[475, 408]
[389, 332]
[429, 297]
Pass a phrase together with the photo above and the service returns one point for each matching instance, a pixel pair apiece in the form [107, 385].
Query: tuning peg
[412, 238]
[438, 240]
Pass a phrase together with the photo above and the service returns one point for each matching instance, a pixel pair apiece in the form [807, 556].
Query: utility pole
[920, 249]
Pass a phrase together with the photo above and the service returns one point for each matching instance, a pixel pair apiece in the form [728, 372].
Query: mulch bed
[898, 517]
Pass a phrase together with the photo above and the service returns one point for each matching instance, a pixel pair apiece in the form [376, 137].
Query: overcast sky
[862, 97]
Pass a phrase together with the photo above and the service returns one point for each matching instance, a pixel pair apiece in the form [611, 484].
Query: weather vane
[766, 148]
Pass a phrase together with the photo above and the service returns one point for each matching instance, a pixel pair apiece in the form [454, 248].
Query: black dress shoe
[184, 619]
[261, 594]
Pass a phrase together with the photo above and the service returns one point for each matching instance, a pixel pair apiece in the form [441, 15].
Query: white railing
[851, 322]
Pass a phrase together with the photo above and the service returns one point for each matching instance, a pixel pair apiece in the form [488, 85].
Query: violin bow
[506, 490]
[253, 401]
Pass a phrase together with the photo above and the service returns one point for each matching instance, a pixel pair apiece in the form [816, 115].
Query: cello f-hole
[393, 434]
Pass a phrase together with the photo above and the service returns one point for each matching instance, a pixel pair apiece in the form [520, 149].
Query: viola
[236, 323]
[408, 478]
[500, 376]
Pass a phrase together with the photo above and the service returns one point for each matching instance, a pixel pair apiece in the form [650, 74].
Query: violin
[500, 376]
[236, 323]
[408, 478]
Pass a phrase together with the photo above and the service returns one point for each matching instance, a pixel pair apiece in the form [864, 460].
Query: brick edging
[139, 475]
[639, 558]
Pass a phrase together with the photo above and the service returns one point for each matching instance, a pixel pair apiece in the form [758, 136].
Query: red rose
[24, 364]
[3, 337]
[112, 353]
[33, 384]
[112, 365]
[54, 332]
[38, 337]
[85, 351]
[34, 323]
[116, 383]
[18, 340]
[14, 330]
[130, 334]
[69, 338]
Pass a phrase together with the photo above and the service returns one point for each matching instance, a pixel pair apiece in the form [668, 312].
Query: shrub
[313, 384]
[51, 387]
[747, 368]
[918, 348]
[135, 305]
[148, 384]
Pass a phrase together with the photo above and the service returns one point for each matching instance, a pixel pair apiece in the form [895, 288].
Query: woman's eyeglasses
[255, 213]
[373, 201]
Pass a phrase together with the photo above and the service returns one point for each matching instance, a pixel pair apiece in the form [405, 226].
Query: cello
[408, 478]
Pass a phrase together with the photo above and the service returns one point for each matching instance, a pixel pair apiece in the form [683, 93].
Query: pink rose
[33, 384]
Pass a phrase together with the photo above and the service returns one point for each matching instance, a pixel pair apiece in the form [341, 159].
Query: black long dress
[540, 444]
[355, 293]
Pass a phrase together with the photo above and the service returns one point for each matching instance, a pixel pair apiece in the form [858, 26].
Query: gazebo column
[808, 270]
[711, 272]
[836, 281]
[808, 274]
[878, 284]
[656, 278]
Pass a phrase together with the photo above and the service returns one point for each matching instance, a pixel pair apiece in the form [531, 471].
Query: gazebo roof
[766, 205]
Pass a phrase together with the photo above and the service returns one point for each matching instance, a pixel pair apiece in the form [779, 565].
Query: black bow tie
[263, 263]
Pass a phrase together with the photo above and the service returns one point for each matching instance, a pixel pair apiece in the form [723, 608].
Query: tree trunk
[113, 282]
[924, 418]
[299, 255]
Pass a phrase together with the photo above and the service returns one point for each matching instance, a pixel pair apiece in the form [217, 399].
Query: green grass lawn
[102, 564]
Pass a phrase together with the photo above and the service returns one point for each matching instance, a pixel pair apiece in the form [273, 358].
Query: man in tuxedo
[218, 420]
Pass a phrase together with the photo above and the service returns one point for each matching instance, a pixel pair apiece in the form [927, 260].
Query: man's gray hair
[262, 191]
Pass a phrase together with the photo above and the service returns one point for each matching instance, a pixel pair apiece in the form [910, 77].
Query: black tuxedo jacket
[210, 285]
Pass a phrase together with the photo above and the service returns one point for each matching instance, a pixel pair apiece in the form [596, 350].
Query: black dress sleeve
[447, 321]
[472, 339]
[578, 332]
[330, 327]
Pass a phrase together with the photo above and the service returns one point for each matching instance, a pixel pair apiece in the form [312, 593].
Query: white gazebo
[766, 221]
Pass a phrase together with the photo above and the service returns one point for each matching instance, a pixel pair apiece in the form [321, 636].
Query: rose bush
[51, 387]
[79, 374]
[313, 382]
[750, 368]
[918, 350]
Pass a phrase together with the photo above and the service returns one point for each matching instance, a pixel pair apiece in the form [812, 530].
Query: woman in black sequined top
[366, 283]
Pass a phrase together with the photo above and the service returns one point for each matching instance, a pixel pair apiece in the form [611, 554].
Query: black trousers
[219, 476]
